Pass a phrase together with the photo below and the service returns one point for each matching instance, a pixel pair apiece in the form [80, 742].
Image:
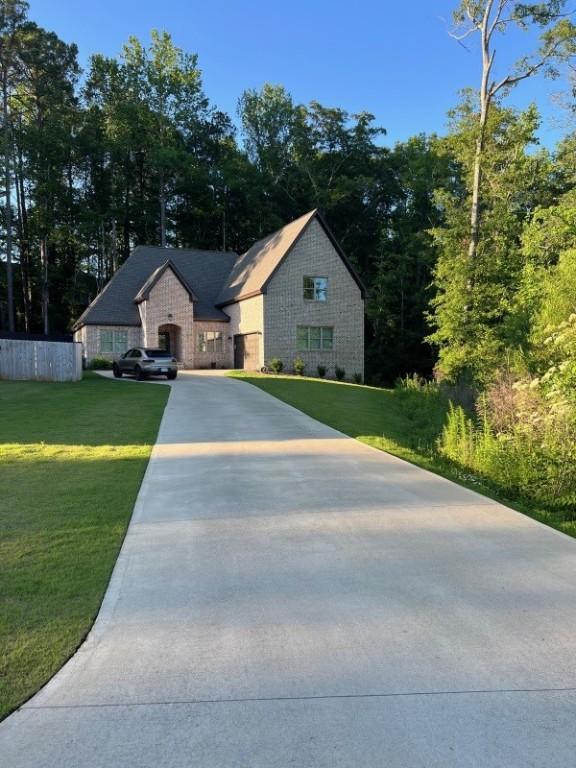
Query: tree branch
[464, 35]
[498, 18]
[513, 79]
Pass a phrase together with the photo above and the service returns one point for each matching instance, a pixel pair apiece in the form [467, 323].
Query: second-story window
[315, 288]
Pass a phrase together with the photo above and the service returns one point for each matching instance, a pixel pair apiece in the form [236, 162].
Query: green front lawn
[403, 422]
[72, 457]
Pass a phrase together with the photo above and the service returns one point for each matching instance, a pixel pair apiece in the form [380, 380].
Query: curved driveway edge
[288, 596]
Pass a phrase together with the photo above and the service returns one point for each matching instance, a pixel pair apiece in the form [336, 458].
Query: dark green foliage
[299, 366]
[276, 365]
[322, 371]
[472, 310]
[340, 373]
[357, 378]
[400, 285]
[100, 364]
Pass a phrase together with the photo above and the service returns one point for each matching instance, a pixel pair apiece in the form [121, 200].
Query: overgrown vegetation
[72, 457]
[523, 434]
[503, 315]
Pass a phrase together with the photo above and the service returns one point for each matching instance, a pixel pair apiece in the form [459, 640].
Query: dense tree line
[133, 151]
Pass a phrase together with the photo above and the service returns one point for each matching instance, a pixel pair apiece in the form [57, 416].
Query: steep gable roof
[213, 279]
[144, 292]
[254, 269]
[203, 271]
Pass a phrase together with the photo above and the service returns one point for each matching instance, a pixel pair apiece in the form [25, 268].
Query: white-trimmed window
[114, 342]
[314, 337]
[211, 341]
[315, 288]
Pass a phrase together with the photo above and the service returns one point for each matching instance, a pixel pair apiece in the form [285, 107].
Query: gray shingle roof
[203, 271]
[212, 278]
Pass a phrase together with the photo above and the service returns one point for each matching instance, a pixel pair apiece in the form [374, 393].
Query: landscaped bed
[406, 421]
[72, 457]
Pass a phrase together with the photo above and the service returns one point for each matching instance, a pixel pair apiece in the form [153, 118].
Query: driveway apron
[286, 596]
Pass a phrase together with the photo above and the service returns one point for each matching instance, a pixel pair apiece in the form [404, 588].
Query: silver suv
[142, 362]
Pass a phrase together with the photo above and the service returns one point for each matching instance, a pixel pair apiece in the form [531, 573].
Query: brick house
[293, 294]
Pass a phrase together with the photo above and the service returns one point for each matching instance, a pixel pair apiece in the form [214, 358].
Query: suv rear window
[157, 353]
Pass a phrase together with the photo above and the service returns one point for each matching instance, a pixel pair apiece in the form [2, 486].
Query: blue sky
[392, 58]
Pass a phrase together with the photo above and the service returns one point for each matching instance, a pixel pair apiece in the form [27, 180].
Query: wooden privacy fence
[23, 359]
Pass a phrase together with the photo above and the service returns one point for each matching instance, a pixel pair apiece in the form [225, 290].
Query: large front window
[211, 341]
[315, 288]
[313, 337]
[114, 342]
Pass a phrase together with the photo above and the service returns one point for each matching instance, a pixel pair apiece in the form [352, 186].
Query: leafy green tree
[268, 121]
[471, 324]
[45, 110]
[177, 104]
[480, 257]
[486, 19]
[13, 14]
[547, 294]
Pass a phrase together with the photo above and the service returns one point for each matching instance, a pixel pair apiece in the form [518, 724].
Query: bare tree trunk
[402, 308]
[114, 249]
[23, 245]
[162, 211]
[8, 215]
[224, 219]
[485, 98]
[126, 223]
[45, 296]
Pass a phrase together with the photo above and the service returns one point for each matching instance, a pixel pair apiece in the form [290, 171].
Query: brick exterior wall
[169, 297]
[222, 359]
[89, 335]
[247, 317]
[285, 307]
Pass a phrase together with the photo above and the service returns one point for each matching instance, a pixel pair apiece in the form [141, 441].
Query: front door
[246, 351]
[164, 341]
[238, 351]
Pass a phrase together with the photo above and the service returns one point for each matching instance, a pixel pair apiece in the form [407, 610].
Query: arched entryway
[169, 339]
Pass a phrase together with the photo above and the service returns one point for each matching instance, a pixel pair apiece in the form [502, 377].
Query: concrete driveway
[289, 597]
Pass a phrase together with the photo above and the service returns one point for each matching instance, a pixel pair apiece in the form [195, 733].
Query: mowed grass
[404, 422]
[72, 457]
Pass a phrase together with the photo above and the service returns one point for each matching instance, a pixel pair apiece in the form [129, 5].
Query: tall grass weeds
[520, 441]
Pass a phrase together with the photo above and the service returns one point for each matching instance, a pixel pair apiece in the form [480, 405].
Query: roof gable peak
[144, 292]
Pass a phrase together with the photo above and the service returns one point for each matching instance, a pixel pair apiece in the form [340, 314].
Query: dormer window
[315, 288]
